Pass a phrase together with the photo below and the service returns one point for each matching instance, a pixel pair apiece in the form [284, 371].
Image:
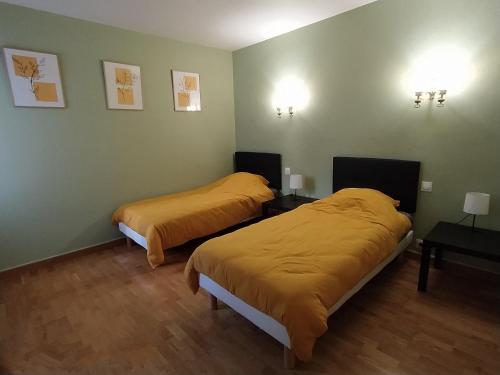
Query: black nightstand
[481, 243]
[285, 203]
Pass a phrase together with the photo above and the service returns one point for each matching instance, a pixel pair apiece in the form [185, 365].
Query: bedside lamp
[296, 182]
[476, 204]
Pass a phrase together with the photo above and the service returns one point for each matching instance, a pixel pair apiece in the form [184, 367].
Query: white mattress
[269, 324]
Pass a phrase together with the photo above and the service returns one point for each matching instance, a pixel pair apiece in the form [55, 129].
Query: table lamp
[296, 182]
[476, 204]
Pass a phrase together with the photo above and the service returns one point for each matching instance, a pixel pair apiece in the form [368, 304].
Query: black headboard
[262, 163]
[396, 178]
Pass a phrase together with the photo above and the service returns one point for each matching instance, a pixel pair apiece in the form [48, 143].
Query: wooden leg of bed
[288, 358]
[129, 243]
[213, 302]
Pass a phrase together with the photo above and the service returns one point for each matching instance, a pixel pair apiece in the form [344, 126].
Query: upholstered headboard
[262, 163]
[396, 178]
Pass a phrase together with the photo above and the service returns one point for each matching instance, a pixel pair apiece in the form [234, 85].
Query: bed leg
[288, 358]
[213, 302]
[129, 243]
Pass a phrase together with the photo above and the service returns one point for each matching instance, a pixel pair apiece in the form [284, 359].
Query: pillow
[367, 194]
[241, 183]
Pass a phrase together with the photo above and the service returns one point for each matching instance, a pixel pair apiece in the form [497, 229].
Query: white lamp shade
[477, 203]
[296, 181]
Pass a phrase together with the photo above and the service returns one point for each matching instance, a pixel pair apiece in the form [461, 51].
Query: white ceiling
[226, 24]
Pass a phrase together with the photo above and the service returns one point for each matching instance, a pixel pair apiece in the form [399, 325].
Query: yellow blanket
[174, 219]
[295, 266]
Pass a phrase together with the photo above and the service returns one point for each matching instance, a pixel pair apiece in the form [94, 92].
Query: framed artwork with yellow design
[123, 86]
[35, 78]
[186, 88]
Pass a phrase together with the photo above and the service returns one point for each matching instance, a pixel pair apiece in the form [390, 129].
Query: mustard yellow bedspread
[295, 266]
[174, 219]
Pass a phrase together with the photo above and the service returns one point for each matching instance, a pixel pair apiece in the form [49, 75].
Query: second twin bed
[287, 274]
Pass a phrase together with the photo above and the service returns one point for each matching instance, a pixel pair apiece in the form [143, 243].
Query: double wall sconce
[290, 93]
[432, 95]
[290, 111]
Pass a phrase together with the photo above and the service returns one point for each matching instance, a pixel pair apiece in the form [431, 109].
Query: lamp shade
[477, 203]
[296, 181]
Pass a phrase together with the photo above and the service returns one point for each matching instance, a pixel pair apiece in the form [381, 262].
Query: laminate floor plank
[107, 312]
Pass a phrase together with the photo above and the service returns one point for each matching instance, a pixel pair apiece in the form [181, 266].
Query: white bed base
[270, 325]
[140, 240]
[132, 234]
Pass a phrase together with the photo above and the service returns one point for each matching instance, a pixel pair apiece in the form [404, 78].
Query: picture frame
[35, 78]
[123, 86]
[186, 91]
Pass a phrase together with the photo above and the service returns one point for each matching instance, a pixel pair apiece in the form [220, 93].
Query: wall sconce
[279, 113]
[438, 72]
[418, 94]
[290, 93]
[432, 95]
[441, 99]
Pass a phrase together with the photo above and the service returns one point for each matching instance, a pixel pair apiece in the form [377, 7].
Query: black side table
[282, 204]
[481, 243]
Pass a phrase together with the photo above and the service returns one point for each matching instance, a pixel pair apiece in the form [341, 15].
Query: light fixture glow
[442, 70]
[291, 93]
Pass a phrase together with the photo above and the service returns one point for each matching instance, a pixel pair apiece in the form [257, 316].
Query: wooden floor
[108, 313]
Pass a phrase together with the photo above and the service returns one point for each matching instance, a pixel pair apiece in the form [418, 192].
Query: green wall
[64, 171]
[353, 65]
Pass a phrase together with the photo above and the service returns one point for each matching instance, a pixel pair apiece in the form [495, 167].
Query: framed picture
[35, 78]
[186, 88]
[123, 85]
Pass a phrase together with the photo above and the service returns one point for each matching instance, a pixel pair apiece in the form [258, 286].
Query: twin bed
[289, 273]
[160, 223]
